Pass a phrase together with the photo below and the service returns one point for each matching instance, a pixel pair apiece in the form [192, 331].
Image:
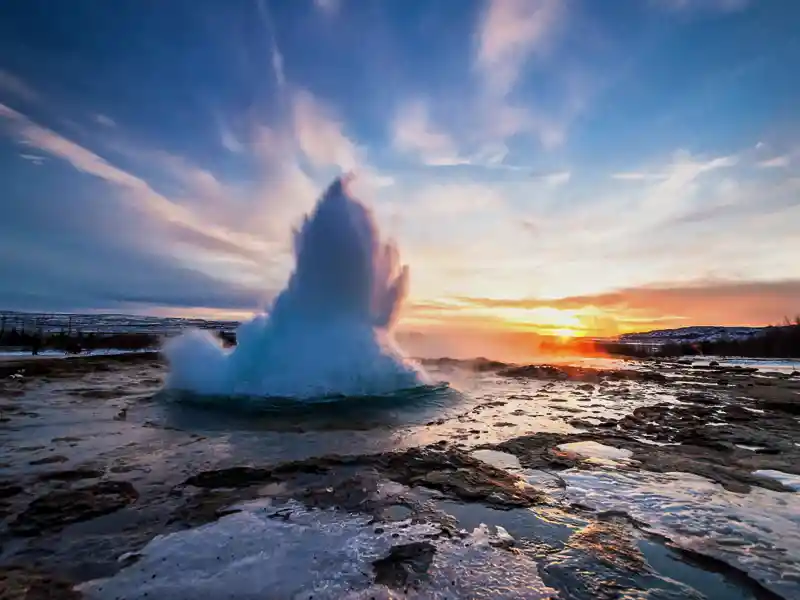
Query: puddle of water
[545, 533]
[501, 460]
[758, 533]
[595, 450]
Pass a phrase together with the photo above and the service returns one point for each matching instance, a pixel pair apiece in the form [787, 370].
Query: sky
[573, 167]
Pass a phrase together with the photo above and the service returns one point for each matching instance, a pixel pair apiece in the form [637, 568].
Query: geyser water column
[327, 333]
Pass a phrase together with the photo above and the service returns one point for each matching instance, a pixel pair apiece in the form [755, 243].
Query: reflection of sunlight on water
[758, 532]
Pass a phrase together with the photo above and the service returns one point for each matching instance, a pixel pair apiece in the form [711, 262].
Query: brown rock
[21, 583]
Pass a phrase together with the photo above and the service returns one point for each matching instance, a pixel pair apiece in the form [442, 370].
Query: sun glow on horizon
[566, 333]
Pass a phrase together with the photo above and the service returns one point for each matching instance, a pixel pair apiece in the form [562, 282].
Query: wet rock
[495, 403]
[458, 475]
[205, 507]
[49, 460]
[29, 448]
[122, 468]
[791, 407]
[612, 543]
[403, 564]
[736, 413]
[57, 509]
[698, 398]
[653, 377]
[9, 489]
[234, 477]
[95, 393]
[535, 372]
[444, 468]
[781, 398]
[22, 583]
[355, 493]
[76, 366]
[536, 451]
[71, 474]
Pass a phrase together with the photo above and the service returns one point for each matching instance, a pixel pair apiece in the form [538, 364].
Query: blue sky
[541, 163]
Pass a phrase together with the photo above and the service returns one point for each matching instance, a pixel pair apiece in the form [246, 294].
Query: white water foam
[327, 333]
[313, 554]
[758, 532]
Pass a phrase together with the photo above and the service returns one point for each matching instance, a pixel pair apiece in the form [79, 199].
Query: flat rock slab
[449, 470]
[60, 508]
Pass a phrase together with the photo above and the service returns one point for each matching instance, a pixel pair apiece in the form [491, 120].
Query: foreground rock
[458, 475]
[20, 583]
[403, 564]
[451, 471]
[76, 366]
[723, 436]
[57, 509]
[586, 374]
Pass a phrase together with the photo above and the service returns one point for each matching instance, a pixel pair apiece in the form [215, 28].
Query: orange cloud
[621, 311]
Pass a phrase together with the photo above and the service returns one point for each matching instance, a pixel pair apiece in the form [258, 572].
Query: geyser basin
[327, 333]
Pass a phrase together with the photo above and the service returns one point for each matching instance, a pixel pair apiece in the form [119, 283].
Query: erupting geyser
[327, 333]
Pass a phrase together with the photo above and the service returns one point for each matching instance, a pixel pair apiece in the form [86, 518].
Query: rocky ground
[66, 520]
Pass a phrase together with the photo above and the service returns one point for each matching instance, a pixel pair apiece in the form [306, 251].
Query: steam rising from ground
[327, 333]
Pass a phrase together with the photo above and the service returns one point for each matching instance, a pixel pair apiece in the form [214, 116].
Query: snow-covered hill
[692, 334]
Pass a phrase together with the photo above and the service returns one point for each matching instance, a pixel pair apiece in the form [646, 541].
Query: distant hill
[692, 335]
[104, 323]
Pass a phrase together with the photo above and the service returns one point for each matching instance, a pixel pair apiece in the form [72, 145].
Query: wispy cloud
[276, 57]
[452, 199]
[637, 176]
[104, 120]
[227, 138]
[33, 158]
[140, 194]
[671, 194]
[511, 31]
[558, 178]
[199, 182]
[330, 7]
[722, 6]
[413, 133]
[776, 162]
[15, 86]
[319, 133]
